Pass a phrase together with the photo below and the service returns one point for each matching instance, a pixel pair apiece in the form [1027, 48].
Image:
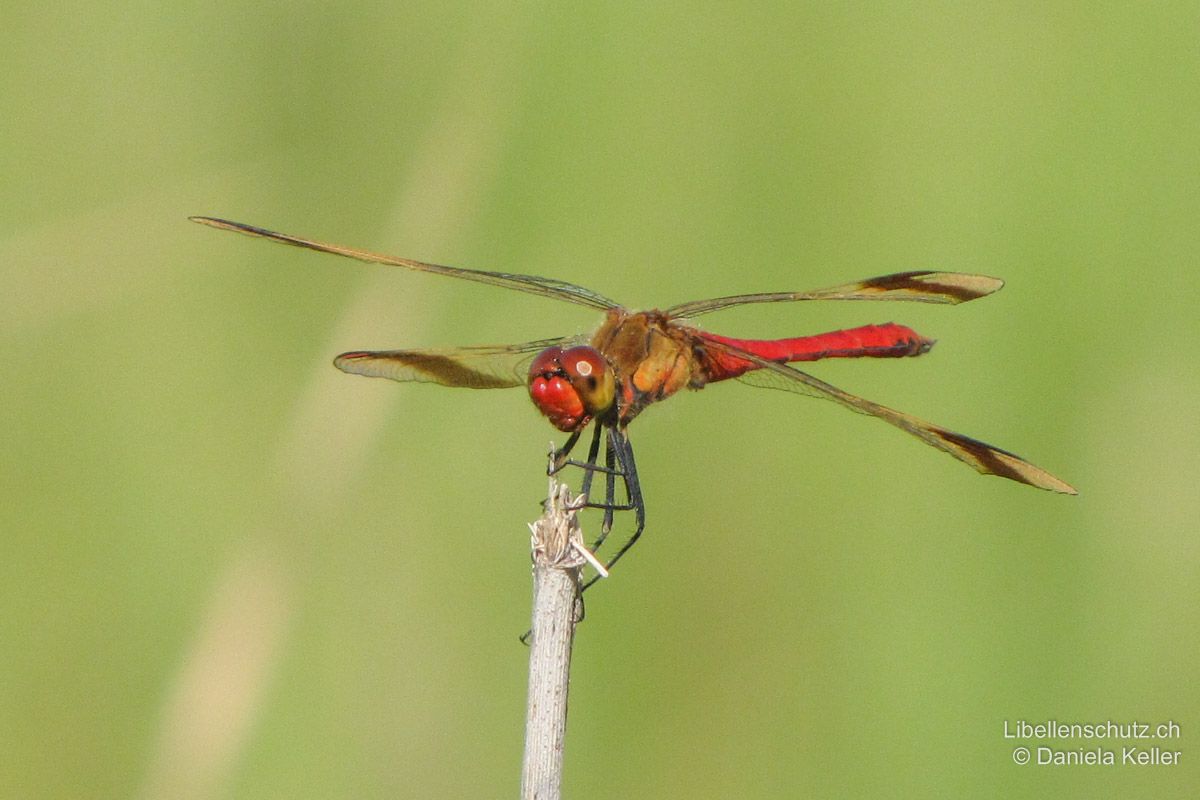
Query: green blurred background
[230, 570]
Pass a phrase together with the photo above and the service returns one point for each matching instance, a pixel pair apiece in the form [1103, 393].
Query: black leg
[593, 451]
[559, 458]
[610, 485]
[627, 468]
[612, 470]
[610, 491]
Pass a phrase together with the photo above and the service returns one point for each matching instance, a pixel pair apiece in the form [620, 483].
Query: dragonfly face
[571, 386]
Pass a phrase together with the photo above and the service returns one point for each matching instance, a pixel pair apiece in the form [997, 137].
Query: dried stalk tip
[557, 538]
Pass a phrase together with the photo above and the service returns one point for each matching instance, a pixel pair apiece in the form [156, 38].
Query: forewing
[922, 287]
[532, 284]
[981, 456]
[482, 367]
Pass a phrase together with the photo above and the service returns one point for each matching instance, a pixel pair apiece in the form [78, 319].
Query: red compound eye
[552, 392]
[571, 386]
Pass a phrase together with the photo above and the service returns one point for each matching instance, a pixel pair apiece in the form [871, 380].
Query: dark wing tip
[992, 460]
[230, 225]
[946, 287]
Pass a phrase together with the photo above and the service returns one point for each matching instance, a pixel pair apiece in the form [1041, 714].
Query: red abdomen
[869, 341]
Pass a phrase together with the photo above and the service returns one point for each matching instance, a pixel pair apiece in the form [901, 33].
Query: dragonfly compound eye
[591, 376]
[552, 391]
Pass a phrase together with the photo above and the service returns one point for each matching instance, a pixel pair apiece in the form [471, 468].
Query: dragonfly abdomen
[868, 341]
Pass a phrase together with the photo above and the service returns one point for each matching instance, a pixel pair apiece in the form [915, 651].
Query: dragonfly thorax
[571, 386]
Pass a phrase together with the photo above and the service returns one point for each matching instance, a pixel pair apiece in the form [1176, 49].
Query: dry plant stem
[557, 558]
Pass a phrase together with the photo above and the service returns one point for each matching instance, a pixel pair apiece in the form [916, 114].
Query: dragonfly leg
[589, 467]
[610, 490]
[560, 461]
[618, 462]
[627, 468]
[611, 470]
[558, 458]
[593, 450]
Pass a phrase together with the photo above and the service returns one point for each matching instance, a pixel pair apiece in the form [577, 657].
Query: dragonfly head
[571, 386]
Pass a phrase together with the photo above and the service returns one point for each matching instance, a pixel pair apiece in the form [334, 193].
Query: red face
[571, 386]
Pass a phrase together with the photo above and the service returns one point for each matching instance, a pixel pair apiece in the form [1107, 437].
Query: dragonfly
[637, 358]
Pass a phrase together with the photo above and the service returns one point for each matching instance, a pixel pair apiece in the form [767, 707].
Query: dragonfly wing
[532, 284]
[981, 456]
[482, 367]
[923, 287]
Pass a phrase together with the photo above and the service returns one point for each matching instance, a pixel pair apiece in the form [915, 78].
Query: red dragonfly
[637, 358]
